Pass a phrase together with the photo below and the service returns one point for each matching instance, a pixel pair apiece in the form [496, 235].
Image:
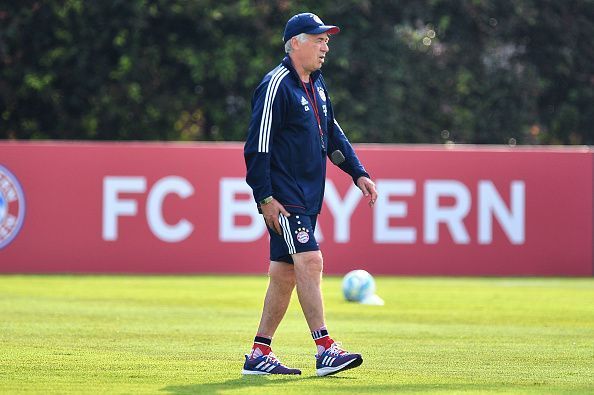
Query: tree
[471, 71]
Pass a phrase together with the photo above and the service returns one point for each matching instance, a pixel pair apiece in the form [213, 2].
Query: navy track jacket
[285, 152]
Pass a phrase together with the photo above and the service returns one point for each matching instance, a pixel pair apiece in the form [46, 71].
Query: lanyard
[315, 105]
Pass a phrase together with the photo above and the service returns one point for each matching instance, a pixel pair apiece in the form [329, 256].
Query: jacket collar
[288, 63]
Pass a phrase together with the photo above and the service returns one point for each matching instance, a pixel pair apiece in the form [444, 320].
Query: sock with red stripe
[322, 339]
[261, 346]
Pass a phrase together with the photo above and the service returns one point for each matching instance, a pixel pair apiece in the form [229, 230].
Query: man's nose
[325, 47]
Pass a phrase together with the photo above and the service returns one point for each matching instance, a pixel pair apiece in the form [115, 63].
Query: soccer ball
[358, 285]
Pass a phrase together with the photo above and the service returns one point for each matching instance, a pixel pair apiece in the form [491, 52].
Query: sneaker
[266, 364]
[335, 360]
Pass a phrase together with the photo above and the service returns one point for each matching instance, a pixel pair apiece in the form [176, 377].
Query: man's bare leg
[331, 358]
[278, 296]
[308, 276]
[276, 302]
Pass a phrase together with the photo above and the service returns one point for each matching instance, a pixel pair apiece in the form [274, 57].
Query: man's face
[312, 52]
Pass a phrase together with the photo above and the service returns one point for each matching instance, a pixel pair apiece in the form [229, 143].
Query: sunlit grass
[135, 334]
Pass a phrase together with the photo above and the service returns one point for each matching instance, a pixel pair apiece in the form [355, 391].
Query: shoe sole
[256, 372]
[353, 363]
[243, 371]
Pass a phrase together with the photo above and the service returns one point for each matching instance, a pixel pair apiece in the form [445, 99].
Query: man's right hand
[270, 212]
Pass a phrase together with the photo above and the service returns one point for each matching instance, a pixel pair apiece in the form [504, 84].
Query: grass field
[183, 335]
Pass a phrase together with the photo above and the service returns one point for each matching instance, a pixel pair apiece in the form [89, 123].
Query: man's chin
[315, 68]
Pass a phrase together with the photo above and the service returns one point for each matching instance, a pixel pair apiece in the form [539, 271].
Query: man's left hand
[368, 188]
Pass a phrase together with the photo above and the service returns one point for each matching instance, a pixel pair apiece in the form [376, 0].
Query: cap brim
[325, 29]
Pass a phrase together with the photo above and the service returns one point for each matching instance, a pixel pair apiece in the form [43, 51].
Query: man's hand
[270, 212]
[368, 188]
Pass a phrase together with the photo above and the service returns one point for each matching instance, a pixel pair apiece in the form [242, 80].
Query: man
[291, 132]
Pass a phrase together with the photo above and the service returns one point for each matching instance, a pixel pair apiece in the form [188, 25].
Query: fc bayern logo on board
[12, 207]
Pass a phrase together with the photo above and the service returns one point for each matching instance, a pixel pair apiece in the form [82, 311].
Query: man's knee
[282, 273]
[311, 262]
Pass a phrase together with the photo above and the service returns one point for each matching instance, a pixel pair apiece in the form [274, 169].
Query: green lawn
[182, 335]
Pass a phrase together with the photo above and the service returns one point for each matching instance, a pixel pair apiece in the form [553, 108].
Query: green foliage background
[467, 71]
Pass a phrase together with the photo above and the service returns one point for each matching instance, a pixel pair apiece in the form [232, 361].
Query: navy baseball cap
[307, 23]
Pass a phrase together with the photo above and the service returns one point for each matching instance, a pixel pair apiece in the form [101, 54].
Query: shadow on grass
[275, 383]
[354, 385]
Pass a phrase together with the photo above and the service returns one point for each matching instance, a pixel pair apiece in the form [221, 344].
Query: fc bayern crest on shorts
[302, 235]
[12, 207]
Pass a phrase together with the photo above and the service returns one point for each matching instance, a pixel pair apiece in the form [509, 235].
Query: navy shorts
[298, 236]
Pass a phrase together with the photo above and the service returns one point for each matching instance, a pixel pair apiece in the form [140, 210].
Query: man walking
[291, 132]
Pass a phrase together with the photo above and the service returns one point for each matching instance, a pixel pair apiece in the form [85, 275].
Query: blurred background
[435, 71]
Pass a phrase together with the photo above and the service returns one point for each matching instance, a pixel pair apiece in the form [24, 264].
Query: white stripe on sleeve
[266, 121]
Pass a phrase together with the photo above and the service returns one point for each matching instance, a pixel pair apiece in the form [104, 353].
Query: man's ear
[295, 43]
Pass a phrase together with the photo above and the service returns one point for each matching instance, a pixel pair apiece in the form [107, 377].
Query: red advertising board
[185, 208]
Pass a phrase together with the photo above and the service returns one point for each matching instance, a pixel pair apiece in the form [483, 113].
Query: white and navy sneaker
[335, 360]
[266, 364]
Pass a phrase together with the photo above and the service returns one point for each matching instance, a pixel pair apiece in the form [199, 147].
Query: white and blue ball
[358, 285]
